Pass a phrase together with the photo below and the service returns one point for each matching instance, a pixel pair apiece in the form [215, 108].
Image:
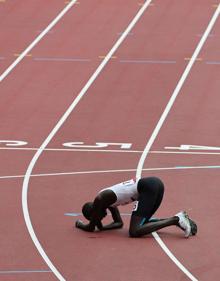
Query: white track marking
[162, 120]
[193, 147]
[97, 145]
[110, 171]
[109, 151]
[55, 130]
[36, 41]
[12, 143]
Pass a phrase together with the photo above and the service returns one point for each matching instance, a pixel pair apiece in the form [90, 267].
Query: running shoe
[184, 223]
[194, 228]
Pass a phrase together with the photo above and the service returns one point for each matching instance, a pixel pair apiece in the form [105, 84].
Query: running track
[121, 108]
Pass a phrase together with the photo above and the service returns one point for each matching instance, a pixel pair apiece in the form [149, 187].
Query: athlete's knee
[133, 233]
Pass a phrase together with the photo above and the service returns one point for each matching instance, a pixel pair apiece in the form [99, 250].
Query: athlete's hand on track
[79, 224]
[86, 227]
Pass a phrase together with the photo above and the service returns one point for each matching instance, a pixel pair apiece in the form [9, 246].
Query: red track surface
[123, 105]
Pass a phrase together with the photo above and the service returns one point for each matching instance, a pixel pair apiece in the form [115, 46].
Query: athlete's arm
[86, 227]
[117, 220]
[90, 227]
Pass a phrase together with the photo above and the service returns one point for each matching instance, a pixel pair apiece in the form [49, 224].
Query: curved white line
[162, 120]
[55, 130]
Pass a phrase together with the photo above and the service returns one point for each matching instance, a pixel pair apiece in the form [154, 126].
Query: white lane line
[162, 120]
[36, 41]
[111, 171]
[55, 130]
[109, 150]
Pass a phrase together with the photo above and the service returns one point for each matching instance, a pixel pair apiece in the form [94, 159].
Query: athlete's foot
[184, 223]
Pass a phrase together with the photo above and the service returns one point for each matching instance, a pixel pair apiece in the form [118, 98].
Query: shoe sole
[194, 227]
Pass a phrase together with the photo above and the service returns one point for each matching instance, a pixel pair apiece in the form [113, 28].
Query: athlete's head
[87, 210]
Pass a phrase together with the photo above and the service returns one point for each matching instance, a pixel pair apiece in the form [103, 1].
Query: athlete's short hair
[87, 210]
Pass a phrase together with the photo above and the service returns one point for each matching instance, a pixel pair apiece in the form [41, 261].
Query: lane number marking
[13, 143]
[97, 145]
[192, 147]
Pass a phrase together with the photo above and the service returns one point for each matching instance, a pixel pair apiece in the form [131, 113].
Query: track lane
[53, 185]
[13, 109]
[196, 116]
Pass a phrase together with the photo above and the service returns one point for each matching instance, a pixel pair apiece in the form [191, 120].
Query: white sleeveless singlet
[126, 192]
